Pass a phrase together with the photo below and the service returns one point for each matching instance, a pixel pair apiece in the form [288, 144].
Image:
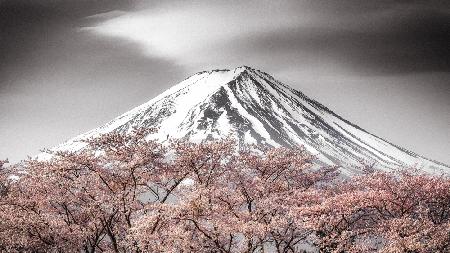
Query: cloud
[198, 33]
[388, 37]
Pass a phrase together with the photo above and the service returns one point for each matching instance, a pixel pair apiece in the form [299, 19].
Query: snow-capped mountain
[254, 108]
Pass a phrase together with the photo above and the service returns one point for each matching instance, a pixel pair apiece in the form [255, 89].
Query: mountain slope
[253, 107]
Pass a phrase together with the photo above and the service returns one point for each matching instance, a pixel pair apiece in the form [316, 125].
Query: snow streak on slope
[252, 107]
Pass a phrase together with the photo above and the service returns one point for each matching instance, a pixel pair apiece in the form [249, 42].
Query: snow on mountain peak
[254, 108]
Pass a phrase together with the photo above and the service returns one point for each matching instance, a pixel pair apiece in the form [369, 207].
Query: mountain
[253, 107]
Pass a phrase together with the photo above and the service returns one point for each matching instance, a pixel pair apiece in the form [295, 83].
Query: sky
[67, 66]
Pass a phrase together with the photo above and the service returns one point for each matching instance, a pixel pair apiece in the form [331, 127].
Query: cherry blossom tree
[80, 201]
[231, 201]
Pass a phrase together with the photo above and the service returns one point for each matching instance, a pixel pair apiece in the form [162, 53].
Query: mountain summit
[254, 108]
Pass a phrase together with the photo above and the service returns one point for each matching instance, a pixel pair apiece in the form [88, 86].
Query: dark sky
[67, 66]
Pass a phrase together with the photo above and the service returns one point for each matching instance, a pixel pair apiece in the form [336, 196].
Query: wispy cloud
[389, 36]
[203, 32]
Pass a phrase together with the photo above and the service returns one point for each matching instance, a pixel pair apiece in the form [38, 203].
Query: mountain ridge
[255, 108]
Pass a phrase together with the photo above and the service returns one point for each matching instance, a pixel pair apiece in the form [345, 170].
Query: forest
[123, 193]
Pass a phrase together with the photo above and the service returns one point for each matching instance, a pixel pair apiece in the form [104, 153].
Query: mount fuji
[254, 108]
